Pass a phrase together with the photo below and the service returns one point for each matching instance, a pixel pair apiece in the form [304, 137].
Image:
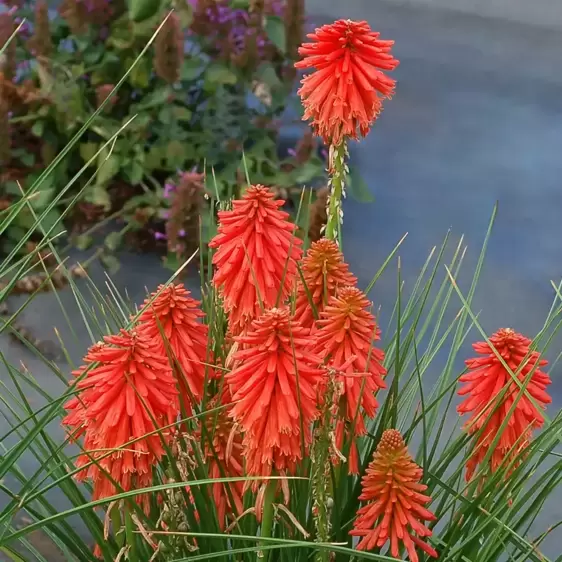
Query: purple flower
[169, 188]
[160, 236]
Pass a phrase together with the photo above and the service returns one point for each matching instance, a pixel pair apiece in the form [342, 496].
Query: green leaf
[108, 167]
[175, 154]
[172, 261]
[239, 4]
[140, 75]
[113, 241]
[38, 128]
[52, 218]
[141, 10]
[358, 188]
[182, 113]
[27, 159]
[275, 29]
[42, 197]
[266, 73]
[88, 150]
[99, 196]
[111, 263]
[83, 241]
[191, 69]
[154, 157]
[135, 172]
[306, 173]
[218, 73]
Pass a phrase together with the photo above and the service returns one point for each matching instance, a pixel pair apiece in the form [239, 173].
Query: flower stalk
[338, 170]
[267, 518]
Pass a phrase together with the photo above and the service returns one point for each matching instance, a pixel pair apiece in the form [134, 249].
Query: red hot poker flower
[346, 337]
[274, 388]
[256, 258]
[346, 90]
[122, 397]
[324, 271]
[485, 381]
[395, 510]
[173, 313]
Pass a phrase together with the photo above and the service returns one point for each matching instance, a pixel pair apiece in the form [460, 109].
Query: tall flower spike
[395, 510]
[274, 389]
[324, 271]
[130, 393]
[346, 90]
[168, 50]
[346, 337]
[171, 312]
[41, 42]
[486, 380]
[256, 258]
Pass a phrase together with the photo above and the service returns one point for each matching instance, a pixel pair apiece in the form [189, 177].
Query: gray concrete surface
[477, 118]
[546, 13]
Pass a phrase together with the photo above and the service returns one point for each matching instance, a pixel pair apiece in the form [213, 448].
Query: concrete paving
[477, 118]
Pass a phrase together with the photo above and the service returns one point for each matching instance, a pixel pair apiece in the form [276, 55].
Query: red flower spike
[173, 313]
[256, 258]
[346, 336]
[119, 400]
[396, 505]
[274, 358]
[324, 271]
[346, 90]
[486, 379]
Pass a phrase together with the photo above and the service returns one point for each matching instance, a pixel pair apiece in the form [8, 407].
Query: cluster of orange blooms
[293, 321]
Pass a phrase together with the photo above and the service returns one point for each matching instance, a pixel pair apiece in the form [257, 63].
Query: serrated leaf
[275, 30]
[358, 188]
[113, 241]
[83, 241]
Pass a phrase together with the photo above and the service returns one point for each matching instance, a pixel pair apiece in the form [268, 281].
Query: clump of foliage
[213, 85]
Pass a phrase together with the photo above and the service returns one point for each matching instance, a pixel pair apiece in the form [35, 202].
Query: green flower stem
[321, 474]
[267, 518]
[336, 184]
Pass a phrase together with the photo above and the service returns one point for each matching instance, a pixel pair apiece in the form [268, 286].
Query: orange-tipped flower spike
[486, 380]
[346, 337]
[274, 387]
[395, 508]
[130, 393]
[172, 317]
[324, 271]
[345, 91]
[256, 257]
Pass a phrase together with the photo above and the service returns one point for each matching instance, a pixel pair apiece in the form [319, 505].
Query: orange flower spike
[486, 379]
[172, 312]
[395, 508]
[130, 389]
[346, 336]
[273, 353]
[256, 257]
[324, 271]
[345, 91]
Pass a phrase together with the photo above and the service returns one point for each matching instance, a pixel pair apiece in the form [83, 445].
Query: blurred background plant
[215, 84]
